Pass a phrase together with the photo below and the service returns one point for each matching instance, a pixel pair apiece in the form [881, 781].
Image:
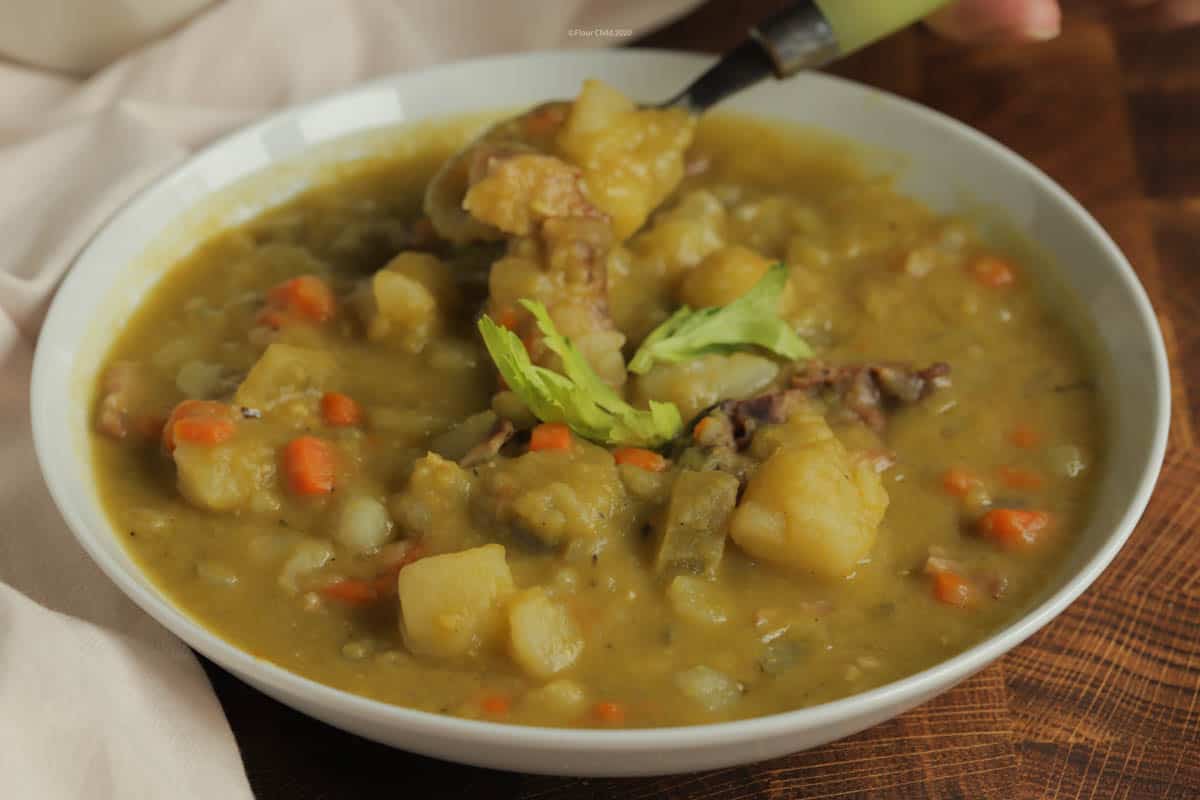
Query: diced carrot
[306, 295]
[960, 480]
[701, 427]
[609, 713]
[994, 272]
[339, 409]
[550, 436]
[639, 457]
[1025, 437]
[495, 704]
[508, 318]
[952, 589]
[308, 464]
[194, 409]
[1019, 478]
[202, 430]
[353, 591]
[1014, 527]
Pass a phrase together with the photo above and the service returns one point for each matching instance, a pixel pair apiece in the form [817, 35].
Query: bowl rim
[900, 693]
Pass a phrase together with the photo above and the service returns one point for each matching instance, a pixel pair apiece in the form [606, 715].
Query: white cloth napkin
[96, 700]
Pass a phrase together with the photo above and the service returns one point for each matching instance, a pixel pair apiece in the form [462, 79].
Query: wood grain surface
[1105, 701]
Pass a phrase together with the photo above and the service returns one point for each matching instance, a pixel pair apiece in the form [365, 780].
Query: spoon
[805, 34]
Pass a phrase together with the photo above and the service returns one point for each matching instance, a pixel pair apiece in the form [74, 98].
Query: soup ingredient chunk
[309, 464]
[812, 506]
[306, 297]
[340, 410]
[722, 277]
[710, 688]
[363, 524]
[555, 496]
[752, 320]
[695, 385]
[1014, 528]
[410, 300]
[204, 422]
[544, 638]
[696, 523]
[452, 605]
[434, 505]
[870, 390]
[631, 158]
[519, 191]
[282, 372]
[127, 405]
[578, 398]
[223, 477]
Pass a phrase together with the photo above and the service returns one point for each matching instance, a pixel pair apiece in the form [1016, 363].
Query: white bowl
[942, 159]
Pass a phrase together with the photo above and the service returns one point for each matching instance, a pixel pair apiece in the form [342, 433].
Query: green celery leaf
[579, 399]
[750, 321]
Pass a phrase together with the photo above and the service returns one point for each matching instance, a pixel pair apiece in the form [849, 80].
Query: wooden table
[1105, 701]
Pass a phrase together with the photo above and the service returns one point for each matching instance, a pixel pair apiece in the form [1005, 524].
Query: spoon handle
[805, 34]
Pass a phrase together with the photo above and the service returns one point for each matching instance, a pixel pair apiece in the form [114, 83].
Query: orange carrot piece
[550, 436]
[701, 426]
[207, 431]
[1025, 437]
[1014, 528]
[495, 704]
[508, 318]
[307, 295]
[308, 464]
[352, 591]
[609, 713]
[1020, 478]
[952, 589]
[960, 480]
[994, 272]
[340, 410]
[640, 457]
[193, 409]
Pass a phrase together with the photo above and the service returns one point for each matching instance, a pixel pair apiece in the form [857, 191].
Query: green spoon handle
[805, 34]
[812, 33]
[858, 23]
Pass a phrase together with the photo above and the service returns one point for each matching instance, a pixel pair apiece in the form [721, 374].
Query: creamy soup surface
[872, 443]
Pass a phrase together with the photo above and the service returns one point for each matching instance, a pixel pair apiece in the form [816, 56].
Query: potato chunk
[561, 698]
[556, 496]
[811, 506]
[434, 506]
[452, 605]
[282, 372]
[631, 158]
[410, 299]
[697, 384]
[225, 477]
[522, 190]
[544, 639]
[722, 277]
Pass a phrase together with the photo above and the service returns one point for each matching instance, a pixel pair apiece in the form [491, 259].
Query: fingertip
[1042, 20]
[1182, 12]
[988, 20]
